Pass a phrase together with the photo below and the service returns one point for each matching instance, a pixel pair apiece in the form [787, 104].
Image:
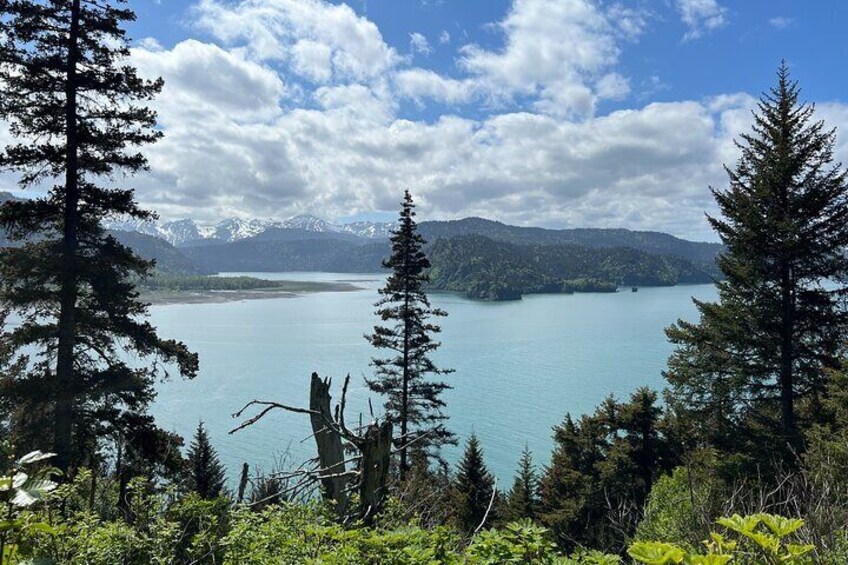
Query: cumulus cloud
[420, 84]
[556, 50]
[701, 16]
[203, 81]
[644, 168]
[339, 43]
[444, 37]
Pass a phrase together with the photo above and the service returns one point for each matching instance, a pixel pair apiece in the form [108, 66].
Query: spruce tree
[473, 488]
[413, 402]
[602, 466]
[206, 474]
[643, 444]
[523, 499]
[764, 349]
[567, 485]
[77, 111]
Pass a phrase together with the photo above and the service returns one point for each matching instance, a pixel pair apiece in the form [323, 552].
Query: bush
[761, 539]
[680, 508]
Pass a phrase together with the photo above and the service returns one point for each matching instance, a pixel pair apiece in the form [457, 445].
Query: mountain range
[483, 258]
[188, 232]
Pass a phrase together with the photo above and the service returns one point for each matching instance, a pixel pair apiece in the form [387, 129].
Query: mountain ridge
[189, 232]
[484, 258]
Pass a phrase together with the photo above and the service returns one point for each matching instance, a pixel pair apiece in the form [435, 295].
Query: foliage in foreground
[181, 530]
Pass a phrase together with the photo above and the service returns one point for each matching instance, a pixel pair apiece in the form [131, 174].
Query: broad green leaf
[34, 456]
[780, 526]
[767, 542]
[33, 491]
[656, 553]
[741, 525]
[19, 480]
[711, 559]
[797, 550]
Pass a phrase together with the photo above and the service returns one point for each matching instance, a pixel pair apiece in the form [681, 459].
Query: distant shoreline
[291, 289]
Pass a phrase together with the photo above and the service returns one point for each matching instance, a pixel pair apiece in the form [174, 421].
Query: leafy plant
[21, 488]
[759, 539]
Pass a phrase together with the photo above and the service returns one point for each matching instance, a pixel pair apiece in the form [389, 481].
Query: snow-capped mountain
[183, 231]
[371, 230]
[190, 232]
[310, 223]
[235, 229]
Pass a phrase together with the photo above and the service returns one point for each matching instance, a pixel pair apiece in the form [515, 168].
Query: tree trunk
[404, 406]
[787, 392]
[64, 416]
[329, 442]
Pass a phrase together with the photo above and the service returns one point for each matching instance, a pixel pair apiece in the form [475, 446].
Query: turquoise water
[520, 366]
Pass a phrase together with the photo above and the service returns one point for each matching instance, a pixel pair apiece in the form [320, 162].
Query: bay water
[519, 366]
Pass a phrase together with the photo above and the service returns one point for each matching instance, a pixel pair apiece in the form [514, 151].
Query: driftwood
[369, 472]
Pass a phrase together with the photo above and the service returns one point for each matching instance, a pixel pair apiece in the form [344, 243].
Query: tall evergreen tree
[642, 441]
[780, 321]
[77, 109]
[413, 402]
[523, 499]
[473, 488]
[206, 474]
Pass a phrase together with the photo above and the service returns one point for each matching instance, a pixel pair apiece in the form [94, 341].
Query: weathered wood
[369, 475]
[376, 450]
[243, 482]
[329, 441]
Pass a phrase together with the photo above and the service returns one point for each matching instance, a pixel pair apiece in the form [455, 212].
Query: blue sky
[559, 113]
[739, 55]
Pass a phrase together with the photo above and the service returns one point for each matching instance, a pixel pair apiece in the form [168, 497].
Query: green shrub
[679, 508]
[761, 539]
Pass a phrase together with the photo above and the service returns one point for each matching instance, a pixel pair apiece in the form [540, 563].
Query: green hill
[496, 270]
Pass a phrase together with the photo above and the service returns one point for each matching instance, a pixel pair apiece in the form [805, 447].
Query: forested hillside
[484, 268]
[307, 254]
[169, 260]
[656, 243]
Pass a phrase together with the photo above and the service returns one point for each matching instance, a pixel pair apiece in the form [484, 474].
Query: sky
[554, 113]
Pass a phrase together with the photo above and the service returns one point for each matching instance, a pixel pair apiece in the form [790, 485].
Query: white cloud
[273, 29]
[203, 79]
[150, 43]
[444, 37]
[239, 141]
[612, 86]
[419, 44]
[646, 168]
[420, 84]
[555, 50]
[780, 22]
[701, 16]
[629, 21]
[313, 60]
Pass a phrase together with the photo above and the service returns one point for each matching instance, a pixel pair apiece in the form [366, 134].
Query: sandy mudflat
[291, 289]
